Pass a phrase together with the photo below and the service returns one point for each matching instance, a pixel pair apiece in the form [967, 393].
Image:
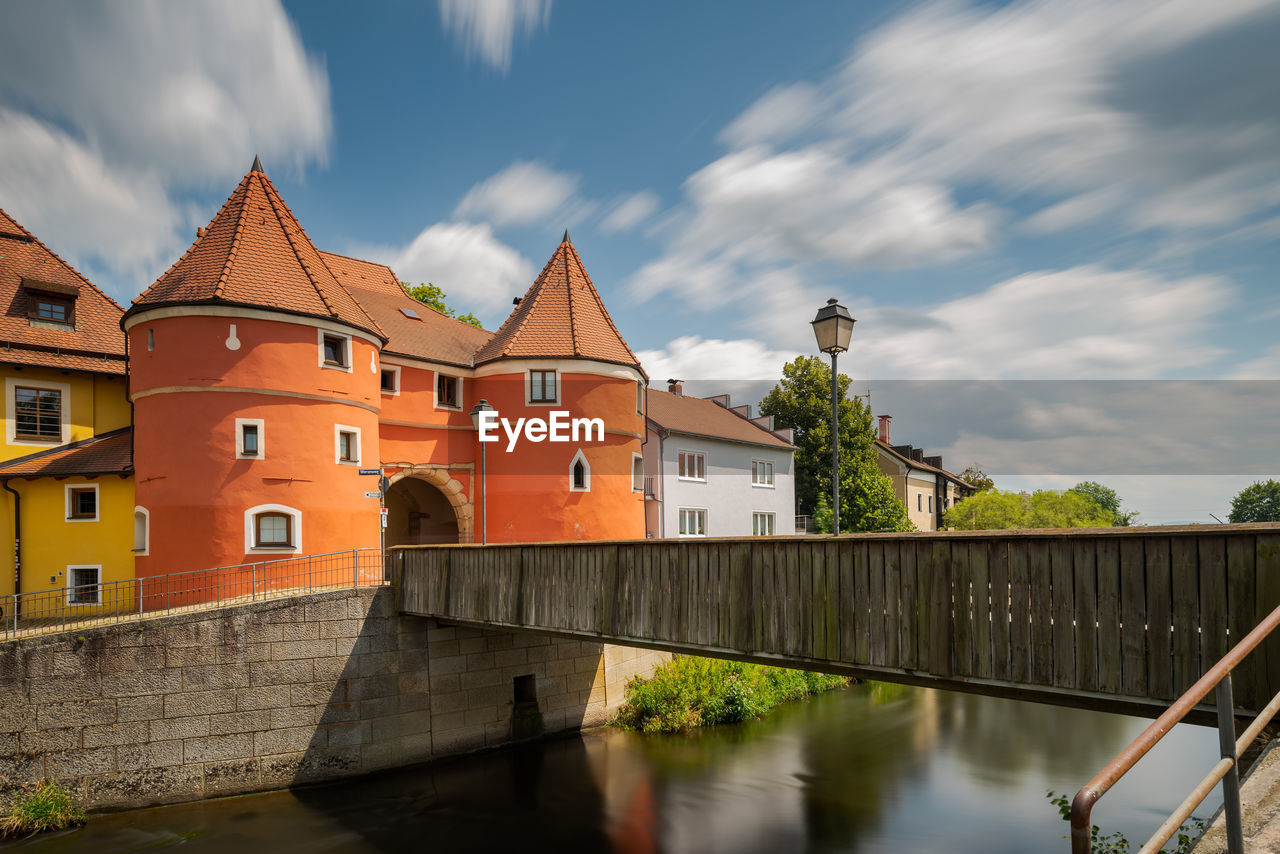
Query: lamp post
[832, 326]
[482, 406]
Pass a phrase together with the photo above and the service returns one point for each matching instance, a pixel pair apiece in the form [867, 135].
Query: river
[874, 768]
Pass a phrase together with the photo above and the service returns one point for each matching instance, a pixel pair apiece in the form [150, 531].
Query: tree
[802, 401]
[433, 296]
[996, 510]
[1106, 498]
[977, 478]
[1258, 502]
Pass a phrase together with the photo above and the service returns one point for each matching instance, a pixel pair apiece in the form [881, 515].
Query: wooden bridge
[1121, 619]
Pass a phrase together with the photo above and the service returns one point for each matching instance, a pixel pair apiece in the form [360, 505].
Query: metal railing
[104, 603]
[1225, 770]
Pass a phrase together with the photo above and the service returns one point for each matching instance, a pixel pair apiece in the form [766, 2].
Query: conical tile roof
[561, 317]
[254, 253]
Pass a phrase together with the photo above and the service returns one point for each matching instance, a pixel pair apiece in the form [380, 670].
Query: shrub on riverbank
[689, 692]
[47, 807]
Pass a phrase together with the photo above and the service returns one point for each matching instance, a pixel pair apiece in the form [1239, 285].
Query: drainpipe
[17, 544]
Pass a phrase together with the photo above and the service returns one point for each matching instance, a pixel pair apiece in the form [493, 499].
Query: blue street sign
[375, 472]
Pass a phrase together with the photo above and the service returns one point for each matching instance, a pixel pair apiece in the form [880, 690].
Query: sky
[1057, 223]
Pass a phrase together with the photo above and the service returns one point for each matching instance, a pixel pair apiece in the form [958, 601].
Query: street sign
[384, 484]
[384, 517]
[373, 495]
[374, 472]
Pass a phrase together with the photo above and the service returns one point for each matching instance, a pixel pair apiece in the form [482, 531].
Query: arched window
[579, 473]
[273, 527]
[141, 530]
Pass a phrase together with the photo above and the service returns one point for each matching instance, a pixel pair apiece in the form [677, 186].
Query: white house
[713, 471]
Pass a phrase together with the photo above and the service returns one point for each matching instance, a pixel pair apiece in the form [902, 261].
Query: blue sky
[1022, 191]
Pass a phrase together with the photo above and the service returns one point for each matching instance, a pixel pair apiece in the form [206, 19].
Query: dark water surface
[869, 769]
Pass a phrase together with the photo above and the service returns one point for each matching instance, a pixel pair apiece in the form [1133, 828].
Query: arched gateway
[427, 506]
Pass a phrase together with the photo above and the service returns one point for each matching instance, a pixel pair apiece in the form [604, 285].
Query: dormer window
[50, 304]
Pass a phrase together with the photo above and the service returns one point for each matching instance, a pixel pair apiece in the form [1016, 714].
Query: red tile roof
[887, 449]
[254, 253]
[560, 317]
[108, 453]
[694, 416]
[433, 336]
[28, 265]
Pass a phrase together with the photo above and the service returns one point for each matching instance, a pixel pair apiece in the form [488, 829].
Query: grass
[688, 692]
[47, 807]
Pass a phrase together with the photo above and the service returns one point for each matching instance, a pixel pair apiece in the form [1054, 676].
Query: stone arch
[447, 486]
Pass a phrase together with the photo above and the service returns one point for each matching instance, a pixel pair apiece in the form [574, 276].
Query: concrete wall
[273, 694]
[727, 495]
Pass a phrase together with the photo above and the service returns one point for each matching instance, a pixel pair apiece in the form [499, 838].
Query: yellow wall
[50, 542]
[99, 404]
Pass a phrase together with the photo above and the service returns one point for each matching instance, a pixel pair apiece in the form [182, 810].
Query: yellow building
[921, 483]
[66, 467]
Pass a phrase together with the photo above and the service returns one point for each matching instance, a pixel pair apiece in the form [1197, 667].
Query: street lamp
[832, 326]
[482, 406]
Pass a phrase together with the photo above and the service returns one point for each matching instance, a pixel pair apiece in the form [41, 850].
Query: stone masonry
[273, 694]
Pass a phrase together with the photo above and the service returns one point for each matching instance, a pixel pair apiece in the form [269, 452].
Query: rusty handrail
[1219, 677]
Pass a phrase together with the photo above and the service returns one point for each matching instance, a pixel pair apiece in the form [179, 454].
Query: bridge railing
[101, 603]
[1226, 770]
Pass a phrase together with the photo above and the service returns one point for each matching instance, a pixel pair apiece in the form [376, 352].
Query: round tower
[254, 377]
[559, 360]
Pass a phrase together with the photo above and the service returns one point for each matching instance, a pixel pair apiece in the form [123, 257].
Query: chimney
[676, 387]
[884, 428]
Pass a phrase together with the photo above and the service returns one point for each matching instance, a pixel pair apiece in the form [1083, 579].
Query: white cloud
[1265, 367]
[694, 358]
[780, 115]
[630, 211]
[489, 27]
[521, 194]
[477, 271]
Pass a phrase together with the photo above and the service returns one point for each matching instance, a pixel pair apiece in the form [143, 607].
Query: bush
[689, 692]
[48, 807]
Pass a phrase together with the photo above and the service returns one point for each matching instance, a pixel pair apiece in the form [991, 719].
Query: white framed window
[543, 387]
[930, 503]
[448, 392]
[763, 524]
[691, 465]
[335, 350]
[151, 339]
[762, 473]
[579, 473]
[693, 522]
[390, 380]
[250, 439]
[639, 397]
[637, 473]
[141, 531]
[84, 584]
[37, 412]
[82, 502]
[273, 528]
[346, 445]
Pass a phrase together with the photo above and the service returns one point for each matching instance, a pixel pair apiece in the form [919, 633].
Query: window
[692, 465]
[335, 350]
[542, 387]
[346, 444]
[639, 397]
[38, 413]
[579, 473]
[637, 473]
[50, 308]
[920, 501]
[83, 585]
[273, 527]
[390, 380]
[151, 339]
[447, 392]
[82, 502]
[250, 438]
[761, 473]
[141, 530]
[930, 503]
[762, 524]
[693, 522]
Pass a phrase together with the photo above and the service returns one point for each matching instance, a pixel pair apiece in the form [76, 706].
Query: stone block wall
[272, 694]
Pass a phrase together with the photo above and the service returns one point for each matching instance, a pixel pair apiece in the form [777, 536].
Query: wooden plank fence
[1124, 618]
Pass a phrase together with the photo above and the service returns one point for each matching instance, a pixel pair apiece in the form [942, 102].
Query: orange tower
[254, 376]
[560, 351]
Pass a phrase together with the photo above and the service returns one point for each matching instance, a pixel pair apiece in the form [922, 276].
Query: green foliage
[977, 478]
[1106, 498]
[47, 807]
[802, 401]
[1258, 502]
[996, 510]
[689, 691]
[433, 296]
[1116, 843]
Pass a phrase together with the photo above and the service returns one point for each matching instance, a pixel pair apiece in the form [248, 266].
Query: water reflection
[873, 768]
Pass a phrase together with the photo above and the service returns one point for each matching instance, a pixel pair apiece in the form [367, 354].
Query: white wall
[728, 495]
